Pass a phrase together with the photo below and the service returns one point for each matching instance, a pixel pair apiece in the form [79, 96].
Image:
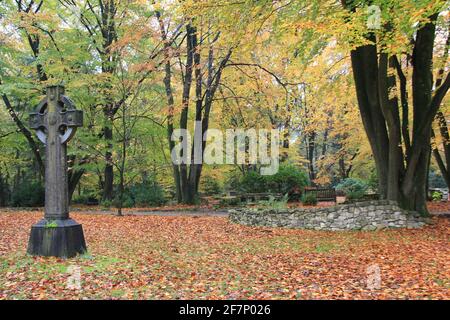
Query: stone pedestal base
[57, 238]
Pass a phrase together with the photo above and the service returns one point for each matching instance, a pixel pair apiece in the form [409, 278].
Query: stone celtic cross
[55, 121]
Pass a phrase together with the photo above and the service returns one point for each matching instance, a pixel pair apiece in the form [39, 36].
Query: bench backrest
[322, 193]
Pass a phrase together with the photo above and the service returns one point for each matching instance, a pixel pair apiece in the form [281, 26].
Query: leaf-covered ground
[157, 257]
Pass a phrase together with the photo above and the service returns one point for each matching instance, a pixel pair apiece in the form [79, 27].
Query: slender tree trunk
[3, 191]
[190, 49]
[442, 167]
[342, 169]
[122, 166]
[170, 102]
[74, 179]
[108, 182]
[311, 146]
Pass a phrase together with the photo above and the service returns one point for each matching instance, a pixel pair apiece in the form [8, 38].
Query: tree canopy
[357, 89]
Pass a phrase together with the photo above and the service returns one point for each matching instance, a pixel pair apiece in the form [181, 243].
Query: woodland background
[140, 69]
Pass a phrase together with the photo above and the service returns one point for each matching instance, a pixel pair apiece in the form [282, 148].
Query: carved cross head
[56, 113]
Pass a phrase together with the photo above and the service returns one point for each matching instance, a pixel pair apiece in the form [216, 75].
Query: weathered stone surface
[57, 238]
[370, 215]
[56, 121]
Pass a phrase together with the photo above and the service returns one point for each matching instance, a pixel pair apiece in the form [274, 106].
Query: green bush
[288, 180]
[229, 201]
[233, 180]
[28, 195]
[210, 186]
[352, 186]
[81, 199]
[309, 199]
[106, 204]
[127, 201]
[272, 203]
[435, 179]
[253, 181]
[372, 182]
[148, 193]
[354, 195]
[436, 196]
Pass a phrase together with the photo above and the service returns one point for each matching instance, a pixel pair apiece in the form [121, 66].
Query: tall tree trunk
[170, 102]
[74, 180]
[191, 46]
[108, 182]
[3, 191]
[311, 146]
[212, 84]
[365, 72]
[415, 182]
[380, 116]
[342, 169]
[444, 166]
[440, 162]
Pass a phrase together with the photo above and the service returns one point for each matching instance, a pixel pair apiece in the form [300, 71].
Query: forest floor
[207, 257]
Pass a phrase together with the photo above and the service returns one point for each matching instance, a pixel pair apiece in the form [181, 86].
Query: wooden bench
[322, 194]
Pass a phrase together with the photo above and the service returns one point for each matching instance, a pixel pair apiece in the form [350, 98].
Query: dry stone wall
[370, 215]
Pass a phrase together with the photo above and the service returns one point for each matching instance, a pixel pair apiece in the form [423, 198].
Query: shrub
[233, 180]
[372, 182]
[28, 195]
[272, 203]
[148, 193]
[435, 179]
[354, 195]
[352, 185]
[253, 181]
[106, 204]
[127, 201]
[436, 196]
[170, 192]
[288, 180]
[309, 199]
[229, 201]
[211, 186]
[81, 199]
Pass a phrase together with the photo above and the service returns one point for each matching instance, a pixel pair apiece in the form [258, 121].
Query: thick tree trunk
[444, 166]
[365, 72]
[416, 198]
[380, 116]
[415, 181]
